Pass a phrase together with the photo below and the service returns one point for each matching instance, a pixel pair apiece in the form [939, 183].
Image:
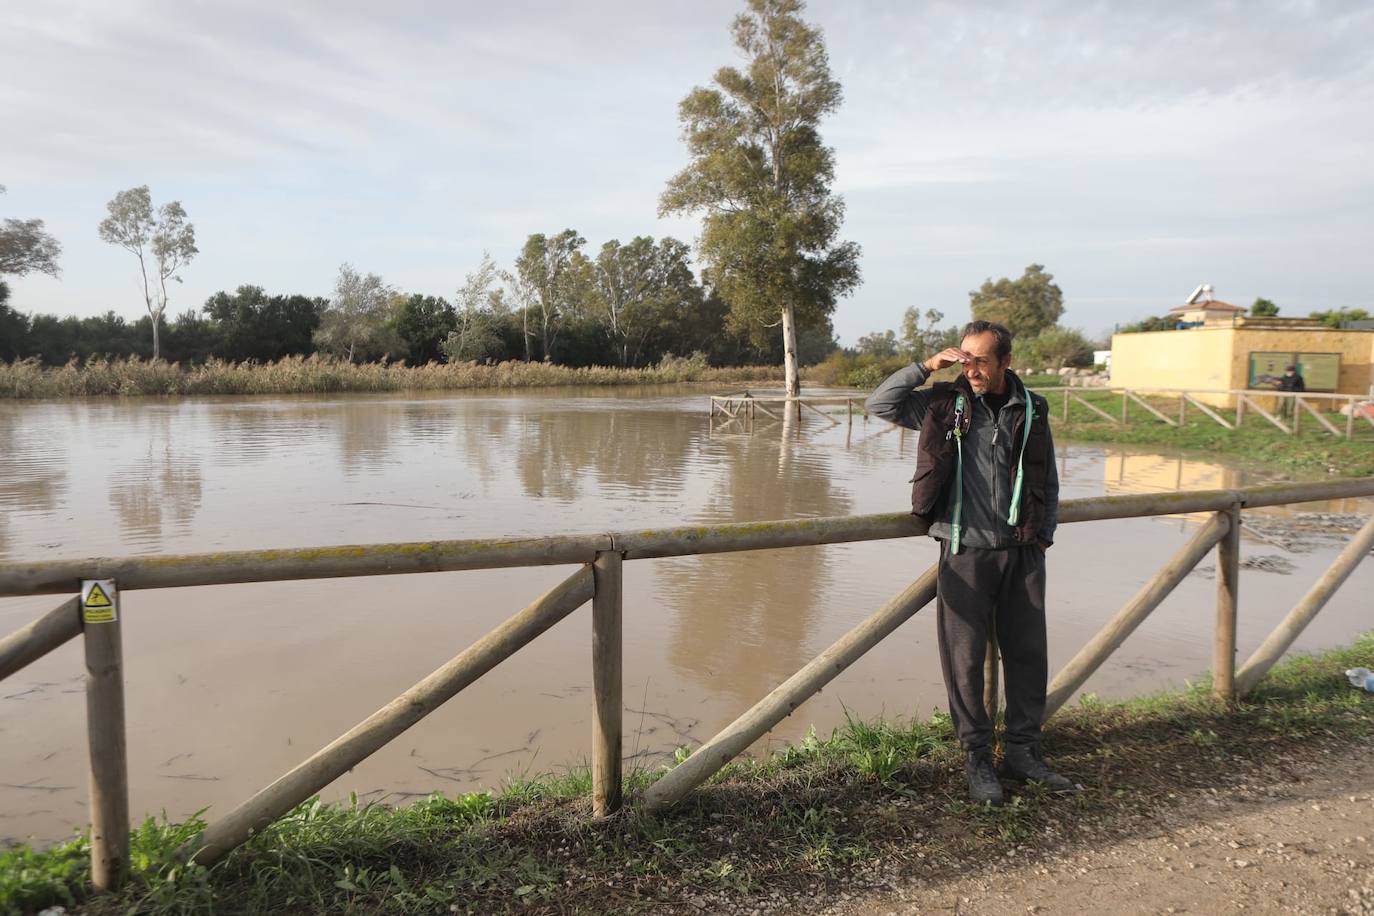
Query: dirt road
[1297, 845]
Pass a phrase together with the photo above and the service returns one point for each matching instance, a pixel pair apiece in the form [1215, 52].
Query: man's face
[984, 371]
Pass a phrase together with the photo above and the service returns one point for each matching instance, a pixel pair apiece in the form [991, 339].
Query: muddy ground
[1300, 844]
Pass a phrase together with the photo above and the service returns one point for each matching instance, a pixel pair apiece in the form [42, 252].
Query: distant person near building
[986, 481]
[1291, 380]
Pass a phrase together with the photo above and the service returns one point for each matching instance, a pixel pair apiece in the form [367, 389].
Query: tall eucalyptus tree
[761, 175]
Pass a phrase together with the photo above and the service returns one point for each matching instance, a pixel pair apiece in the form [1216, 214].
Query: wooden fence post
[1123, 408]
[608, 583]
[1066, 405]
[1182, 403]
[105, 733]
[1081, 667]
[1228, 590]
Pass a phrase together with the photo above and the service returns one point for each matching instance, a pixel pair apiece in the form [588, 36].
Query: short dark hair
[999, 331]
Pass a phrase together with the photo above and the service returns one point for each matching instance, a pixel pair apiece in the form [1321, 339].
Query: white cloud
[1130, 147]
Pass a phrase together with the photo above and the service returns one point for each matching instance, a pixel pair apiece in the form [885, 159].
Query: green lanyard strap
[1014, 516]
[956, 527]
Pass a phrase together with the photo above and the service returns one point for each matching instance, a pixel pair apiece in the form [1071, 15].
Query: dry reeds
[28, 378]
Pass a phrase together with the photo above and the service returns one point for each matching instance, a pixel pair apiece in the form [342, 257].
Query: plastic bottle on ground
[1360, 677]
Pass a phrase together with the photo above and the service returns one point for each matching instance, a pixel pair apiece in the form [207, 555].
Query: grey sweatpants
[975, 589]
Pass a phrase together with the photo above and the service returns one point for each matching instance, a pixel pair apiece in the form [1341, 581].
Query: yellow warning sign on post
[99, 601]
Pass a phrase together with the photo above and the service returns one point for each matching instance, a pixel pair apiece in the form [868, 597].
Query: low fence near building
[746, 406]
[94, 613]
[1293, 406]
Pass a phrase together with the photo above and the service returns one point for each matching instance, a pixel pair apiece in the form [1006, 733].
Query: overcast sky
[1135, 149]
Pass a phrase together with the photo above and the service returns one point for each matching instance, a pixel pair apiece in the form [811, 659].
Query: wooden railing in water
[600, 559]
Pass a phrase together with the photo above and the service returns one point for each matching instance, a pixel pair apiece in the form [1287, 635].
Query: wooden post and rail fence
[745, 406]
[599, 561]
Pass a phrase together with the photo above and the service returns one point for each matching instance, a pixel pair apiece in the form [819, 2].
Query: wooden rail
[1272, 649]
[1245, 400]
[30, 643]
[743, 407]
[374, 732]
[1082, 666]
[599, 579]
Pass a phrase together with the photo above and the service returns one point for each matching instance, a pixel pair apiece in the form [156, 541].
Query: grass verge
[824, 812]
[322, 374]
[1312, 450]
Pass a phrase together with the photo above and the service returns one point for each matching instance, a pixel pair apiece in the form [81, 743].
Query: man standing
[1290, 381]
[986, 481]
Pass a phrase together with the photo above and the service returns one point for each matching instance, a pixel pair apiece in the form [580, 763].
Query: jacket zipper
[996, 428]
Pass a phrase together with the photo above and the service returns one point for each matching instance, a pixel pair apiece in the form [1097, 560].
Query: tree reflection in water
[156, 496]
[744, 622]
[33, 473]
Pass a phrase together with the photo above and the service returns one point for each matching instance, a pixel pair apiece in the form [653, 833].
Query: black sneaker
[1023, 763]
[983, 786]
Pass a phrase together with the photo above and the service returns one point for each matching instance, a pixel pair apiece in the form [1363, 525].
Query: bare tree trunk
[148, 298]
[156, 344]
[791, 373]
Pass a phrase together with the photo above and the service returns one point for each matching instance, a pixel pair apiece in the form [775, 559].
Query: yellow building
[1216, 347]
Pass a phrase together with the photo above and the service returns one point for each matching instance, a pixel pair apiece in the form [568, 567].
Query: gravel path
[1303, 846]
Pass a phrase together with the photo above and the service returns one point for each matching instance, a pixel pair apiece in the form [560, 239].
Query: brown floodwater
[228, 687]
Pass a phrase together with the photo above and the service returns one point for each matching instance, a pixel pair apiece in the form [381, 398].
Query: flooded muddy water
[228, 687]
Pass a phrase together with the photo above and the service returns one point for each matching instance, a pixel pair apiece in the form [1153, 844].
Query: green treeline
[626, 305]
[1030, 306]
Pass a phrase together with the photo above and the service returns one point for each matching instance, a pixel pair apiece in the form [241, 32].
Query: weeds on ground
[873, 794]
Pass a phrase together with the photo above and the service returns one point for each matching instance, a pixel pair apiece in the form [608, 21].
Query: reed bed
[316, 374]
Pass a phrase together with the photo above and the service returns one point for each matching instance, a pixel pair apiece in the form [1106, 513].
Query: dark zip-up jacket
[989, 449]
[1292, 382]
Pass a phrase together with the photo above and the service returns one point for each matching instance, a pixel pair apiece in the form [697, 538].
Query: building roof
[1210, 305]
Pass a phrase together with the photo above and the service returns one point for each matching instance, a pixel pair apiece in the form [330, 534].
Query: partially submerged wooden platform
[746, 406]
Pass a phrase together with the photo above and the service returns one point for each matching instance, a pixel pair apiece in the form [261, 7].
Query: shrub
[834, 370]
[1053, 347]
